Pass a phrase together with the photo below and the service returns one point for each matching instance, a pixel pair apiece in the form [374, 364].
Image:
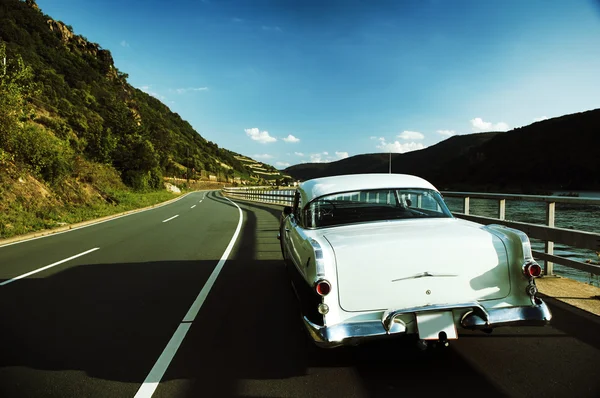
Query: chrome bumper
[535, 315]
[476, 317]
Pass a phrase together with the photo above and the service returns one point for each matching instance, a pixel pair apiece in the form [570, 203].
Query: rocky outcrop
[32, 4]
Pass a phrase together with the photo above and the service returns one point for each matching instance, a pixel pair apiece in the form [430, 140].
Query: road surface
[134, 310]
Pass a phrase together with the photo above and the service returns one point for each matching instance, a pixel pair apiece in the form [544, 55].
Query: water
[579, 217]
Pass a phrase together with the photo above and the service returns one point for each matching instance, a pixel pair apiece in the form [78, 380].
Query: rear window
[375, 205]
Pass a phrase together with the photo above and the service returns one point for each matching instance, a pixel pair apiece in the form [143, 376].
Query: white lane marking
[169, 219]
[48, 266]
[192, 206]
[200, 202]
[193, 311]
[95, 223]
[160, 367]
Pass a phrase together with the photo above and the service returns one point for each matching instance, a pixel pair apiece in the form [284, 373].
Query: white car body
[426, 273]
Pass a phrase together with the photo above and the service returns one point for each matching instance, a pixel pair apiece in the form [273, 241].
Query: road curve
[95, 325]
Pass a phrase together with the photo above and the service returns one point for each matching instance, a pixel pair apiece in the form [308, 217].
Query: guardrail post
[550, 208]
[501, 209]
[466, 205]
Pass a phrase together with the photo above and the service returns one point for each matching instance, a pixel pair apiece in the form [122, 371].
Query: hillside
[558, 153]
[78, 142]
[67, 92]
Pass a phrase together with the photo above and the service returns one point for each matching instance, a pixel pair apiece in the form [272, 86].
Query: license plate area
[430, 324]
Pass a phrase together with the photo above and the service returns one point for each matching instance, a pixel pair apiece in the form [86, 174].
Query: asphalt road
[96, 325]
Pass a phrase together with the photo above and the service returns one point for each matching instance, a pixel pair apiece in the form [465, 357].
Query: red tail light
[532, 270]
[323, 287]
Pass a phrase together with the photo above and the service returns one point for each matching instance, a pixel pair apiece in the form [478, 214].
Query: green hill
[559, 153]
[67, 93]
[77, 141]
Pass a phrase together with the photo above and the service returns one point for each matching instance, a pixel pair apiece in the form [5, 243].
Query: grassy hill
[77, 141]
[559, 153]
[67, 90]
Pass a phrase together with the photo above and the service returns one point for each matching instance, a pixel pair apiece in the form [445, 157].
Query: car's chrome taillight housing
[532, 270]
[322, 287]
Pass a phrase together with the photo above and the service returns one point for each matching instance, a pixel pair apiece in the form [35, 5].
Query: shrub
[48, 156]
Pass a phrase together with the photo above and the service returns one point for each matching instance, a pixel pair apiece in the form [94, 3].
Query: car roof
[317, 187]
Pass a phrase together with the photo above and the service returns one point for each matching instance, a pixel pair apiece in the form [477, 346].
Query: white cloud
[148, 90]
[261, 136]
[539, 119]
[124, 44]
[398, 147]
[479, 125]
[263, 156]
[317, 158]
[447, 133]
[185, 90]
[323, 157]
[298, 154]
[291, 138]
[282, 164]
[411, 135]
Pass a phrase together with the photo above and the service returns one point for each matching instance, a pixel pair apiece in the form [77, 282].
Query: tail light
[323, 287]
[532, 270]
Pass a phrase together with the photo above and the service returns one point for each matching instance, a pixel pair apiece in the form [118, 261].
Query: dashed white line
[160, 367]
[132, 212]
[192, 206]
[169, 219]
[48, 266]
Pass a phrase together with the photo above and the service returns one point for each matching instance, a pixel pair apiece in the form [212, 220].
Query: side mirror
[287, 210]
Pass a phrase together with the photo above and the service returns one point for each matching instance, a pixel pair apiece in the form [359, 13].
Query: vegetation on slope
[76, 140]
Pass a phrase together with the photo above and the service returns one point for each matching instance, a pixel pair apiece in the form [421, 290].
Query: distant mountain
[558, 153]
[62, 99]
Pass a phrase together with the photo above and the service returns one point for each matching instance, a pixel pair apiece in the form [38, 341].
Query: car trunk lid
[413, 263]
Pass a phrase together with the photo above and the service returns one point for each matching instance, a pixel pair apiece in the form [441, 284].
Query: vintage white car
[380, 255]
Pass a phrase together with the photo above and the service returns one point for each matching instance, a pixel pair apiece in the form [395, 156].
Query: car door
[293, 234]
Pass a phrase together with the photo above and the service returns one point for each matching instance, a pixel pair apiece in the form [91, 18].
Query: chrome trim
[389, 315]
[319, 261]
[344, 333]
[536, 315]
[476, 318]
[422, 275]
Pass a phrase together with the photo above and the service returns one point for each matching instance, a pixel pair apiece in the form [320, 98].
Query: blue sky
[288, 81]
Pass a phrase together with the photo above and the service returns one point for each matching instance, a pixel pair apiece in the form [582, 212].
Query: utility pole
[188, 164]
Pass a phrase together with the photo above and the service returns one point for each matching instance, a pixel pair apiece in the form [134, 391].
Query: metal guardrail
[261, 194]
[547, 233]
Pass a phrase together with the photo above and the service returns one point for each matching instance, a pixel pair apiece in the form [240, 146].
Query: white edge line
[160, 367]
[169, 219]
[48, 266]
[95, 223]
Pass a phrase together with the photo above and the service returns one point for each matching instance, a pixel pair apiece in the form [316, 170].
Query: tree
[16, 83]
